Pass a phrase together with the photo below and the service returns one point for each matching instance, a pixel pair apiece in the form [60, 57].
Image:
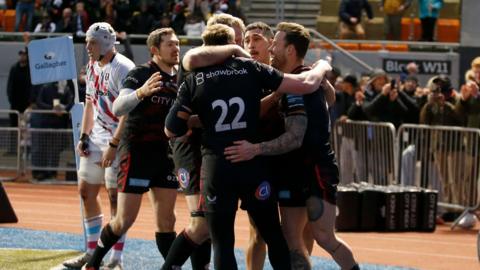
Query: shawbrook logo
[226, 72]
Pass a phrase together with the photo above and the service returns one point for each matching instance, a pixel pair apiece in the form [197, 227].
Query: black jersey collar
[300, 69]
[155, 66]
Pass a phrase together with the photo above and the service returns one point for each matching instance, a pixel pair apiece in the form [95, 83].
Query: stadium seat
[417, 29]
[448, 30]
[349, 46]
[397, 47]
[9, 20]
[371, 46]
[323, 45]
[2, 18]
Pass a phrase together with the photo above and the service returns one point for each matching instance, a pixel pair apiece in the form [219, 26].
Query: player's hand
[108, 157]
[353, 20]
[359, 97]
[386, 89]
[82, 148]
[322, 64]
[151, 86]
[241, 151]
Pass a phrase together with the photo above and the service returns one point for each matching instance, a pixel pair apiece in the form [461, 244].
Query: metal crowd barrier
[365, 152]
[444, 158]
[48, 152]
[9, 145]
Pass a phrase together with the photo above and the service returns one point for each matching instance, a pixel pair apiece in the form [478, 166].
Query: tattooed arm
[292, 138]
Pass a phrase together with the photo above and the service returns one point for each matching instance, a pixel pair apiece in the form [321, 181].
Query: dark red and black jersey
[146, 122]
[316, 143]
[226, 98]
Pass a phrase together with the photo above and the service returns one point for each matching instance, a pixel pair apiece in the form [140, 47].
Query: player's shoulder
[122, 62]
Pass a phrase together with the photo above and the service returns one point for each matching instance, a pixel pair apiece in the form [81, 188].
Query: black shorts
[288, 181]
[322, 180]
[143, 166]
[187, 159]
[224, 183]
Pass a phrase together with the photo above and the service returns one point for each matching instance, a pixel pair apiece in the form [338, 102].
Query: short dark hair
[297, 35]
[218, 34]
[265, 28]
[155, 37]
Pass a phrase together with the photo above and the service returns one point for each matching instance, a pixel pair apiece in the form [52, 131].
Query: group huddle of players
[241, 118]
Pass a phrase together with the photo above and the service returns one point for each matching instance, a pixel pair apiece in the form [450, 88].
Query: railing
[362, 64]
[442, 158]
[365, 152]
[48, 153]
[10, 145]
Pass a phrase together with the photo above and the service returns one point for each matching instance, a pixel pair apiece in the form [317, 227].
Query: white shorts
[90, 169]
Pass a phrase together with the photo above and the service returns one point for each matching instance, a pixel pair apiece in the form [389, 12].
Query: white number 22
[236, 124]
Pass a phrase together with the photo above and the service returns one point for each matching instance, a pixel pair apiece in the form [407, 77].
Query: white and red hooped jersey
[103, 87]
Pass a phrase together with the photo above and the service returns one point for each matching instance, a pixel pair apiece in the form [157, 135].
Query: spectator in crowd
[429, 11]
[47, 146]
[82, 21]
[194, 26]
[345, 98]
[123, 13]
[46, 25]
[382, 103]
[394, 10]
[108, 12]
[24, 7]
[468, 105]
[66, 23]
[55, 8]
[165, 21]
[179, 18]
[218, 7]
[474, 73]
[408, 95]
[199, 8]
[82, 84]
[410, 70]
[143, 20]
[350, 13]
[19, 89]
[439, 109]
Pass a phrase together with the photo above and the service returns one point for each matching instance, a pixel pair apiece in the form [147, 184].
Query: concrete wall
[435, 62]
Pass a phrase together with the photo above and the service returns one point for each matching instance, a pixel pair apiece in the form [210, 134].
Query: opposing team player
[227, 100]
[100, 134]
[148, 92]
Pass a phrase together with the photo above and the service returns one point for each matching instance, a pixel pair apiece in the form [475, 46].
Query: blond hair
[218, 34]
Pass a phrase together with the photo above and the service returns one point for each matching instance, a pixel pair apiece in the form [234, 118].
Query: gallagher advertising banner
[51, 60]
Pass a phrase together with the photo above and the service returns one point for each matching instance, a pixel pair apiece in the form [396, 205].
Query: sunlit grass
[32, 259]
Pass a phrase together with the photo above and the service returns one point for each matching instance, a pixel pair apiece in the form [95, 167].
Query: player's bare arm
[109, 154]
[268, 102]
[205, 56]
[329, 91]
[295, 127]
[306, 82]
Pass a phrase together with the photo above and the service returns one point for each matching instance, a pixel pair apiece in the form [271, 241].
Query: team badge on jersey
[211, 199]
[263, 191]
[183, 177]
